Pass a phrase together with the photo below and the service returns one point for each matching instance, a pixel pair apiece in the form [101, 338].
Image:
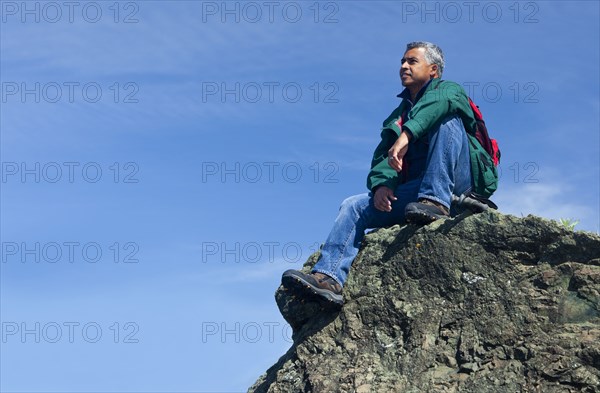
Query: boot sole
[417, 217]
[294, 282]
[423, 216]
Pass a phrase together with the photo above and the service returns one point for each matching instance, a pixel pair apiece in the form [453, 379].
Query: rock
[477, 303]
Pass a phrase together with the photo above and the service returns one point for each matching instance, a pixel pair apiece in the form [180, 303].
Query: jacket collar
[406, 93]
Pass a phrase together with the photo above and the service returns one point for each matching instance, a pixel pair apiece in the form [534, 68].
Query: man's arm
[381, 173]
[398, 150]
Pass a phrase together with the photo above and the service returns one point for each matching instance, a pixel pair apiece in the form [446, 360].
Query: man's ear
[434, 71]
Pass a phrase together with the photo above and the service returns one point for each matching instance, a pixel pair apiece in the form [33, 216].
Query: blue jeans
[439, 165]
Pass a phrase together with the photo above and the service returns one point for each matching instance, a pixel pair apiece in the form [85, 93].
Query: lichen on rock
[478, 303]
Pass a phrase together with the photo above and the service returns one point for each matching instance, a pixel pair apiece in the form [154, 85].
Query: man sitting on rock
[424, 157]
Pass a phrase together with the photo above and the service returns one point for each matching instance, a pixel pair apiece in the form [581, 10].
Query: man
[424, 157]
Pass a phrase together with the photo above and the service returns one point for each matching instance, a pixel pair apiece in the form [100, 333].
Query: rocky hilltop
[477, 303]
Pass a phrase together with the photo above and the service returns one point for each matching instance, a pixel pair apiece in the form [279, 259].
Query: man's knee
[452, 123]
[451, 132]
[354, 203]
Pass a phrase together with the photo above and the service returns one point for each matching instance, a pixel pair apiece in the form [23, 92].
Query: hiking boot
[425, 212]
[318, 284]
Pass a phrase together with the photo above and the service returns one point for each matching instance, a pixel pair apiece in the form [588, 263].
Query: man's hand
[398, 150]
[383, 198]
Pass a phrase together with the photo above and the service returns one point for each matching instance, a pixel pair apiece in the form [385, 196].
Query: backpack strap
[482, 136]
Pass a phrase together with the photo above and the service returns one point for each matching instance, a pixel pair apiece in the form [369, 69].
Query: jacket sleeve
[381, 173]
[443, 100]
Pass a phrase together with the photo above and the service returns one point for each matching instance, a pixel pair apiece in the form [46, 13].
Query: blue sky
[164, 162]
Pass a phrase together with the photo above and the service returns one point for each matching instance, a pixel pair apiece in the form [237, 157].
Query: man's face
[415, 71]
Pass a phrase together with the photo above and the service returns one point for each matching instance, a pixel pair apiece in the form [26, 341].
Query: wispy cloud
[548, 200]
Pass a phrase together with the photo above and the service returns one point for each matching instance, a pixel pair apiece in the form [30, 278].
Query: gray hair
[433, 54]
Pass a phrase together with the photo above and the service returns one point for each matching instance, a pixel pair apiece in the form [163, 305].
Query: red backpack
[481, 134]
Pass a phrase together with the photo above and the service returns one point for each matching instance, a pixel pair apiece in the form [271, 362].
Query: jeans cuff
[330, 274]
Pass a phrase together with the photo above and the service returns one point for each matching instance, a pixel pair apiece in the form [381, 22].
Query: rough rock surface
[478, 303]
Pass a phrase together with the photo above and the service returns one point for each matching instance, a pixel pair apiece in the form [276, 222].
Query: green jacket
[440, 99]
